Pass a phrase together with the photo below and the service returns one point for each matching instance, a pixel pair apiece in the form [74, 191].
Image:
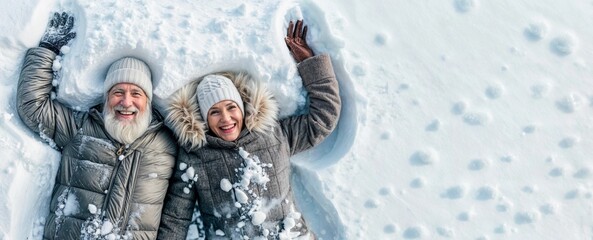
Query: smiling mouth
[125, 114]
[228, 128]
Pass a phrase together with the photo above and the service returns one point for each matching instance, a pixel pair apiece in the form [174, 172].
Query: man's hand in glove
[58, 32]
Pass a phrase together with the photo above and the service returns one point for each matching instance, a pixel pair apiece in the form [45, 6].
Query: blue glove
[58, 32]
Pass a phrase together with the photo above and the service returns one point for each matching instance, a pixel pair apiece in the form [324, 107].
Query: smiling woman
[225, 120]
[238, 170]
[221, 106]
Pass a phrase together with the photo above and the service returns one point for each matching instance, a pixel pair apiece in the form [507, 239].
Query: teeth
[125, 110]
[227, 127]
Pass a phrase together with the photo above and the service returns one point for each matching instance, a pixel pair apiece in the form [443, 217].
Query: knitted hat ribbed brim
[213, 89]
[129, 70]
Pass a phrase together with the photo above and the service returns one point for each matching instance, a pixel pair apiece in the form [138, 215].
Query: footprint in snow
[464, 6]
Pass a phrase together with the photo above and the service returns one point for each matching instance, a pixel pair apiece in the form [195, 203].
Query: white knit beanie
[129, 70]
[215, 88]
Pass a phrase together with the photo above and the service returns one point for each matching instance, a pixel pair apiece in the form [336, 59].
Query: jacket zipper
[112, 180]
[120, 152]
[130, 192]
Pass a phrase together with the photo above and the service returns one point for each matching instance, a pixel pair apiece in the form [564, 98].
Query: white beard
[126, 132]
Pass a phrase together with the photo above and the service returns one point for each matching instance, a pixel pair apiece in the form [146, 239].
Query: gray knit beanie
[129, 70]
[215, 88]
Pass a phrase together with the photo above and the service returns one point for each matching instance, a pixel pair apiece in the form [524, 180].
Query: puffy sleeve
[179, 202]
[307, 130]
[34, 104]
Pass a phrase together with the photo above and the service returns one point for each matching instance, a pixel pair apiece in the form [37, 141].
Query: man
[116, 158]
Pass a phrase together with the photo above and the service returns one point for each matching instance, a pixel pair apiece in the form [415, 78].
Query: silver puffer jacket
[102, 187]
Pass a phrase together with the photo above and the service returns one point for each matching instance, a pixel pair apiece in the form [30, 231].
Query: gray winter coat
[93, 188]
[208, 166]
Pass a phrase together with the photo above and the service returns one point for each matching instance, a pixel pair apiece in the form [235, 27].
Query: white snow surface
[461, 119]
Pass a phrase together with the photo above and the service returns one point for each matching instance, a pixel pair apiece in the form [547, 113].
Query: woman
[235, 155]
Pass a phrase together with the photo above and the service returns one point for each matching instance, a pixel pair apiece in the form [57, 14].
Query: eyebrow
[134, 89]
[226, 105]
[137, 90]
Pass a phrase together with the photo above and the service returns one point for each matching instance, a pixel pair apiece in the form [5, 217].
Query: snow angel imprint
[234, 154]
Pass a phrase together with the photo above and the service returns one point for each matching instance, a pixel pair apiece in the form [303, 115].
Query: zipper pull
[119, 153]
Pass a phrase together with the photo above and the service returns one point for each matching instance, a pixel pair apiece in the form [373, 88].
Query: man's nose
[126, 100]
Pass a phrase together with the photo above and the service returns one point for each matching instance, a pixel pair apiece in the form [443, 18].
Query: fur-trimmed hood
[183, 111]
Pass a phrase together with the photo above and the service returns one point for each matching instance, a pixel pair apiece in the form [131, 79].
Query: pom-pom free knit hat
[129, 70]
[215, 88]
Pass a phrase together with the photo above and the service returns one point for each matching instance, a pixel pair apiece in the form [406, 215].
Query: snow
[106, 228]
[92, 208]
[225, 185]
[241, 196]
[71, 205]
[258, 218]
[253, 170]
[461, 119]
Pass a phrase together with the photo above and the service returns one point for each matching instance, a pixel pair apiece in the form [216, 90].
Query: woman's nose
[225, 115]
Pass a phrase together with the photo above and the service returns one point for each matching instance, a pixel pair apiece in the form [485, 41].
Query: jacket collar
[183, 112]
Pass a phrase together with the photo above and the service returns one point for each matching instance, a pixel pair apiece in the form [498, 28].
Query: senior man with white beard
[117, 158]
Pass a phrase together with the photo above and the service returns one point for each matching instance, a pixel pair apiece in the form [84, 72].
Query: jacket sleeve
[34, 105]
[308, 130]
[179, 203]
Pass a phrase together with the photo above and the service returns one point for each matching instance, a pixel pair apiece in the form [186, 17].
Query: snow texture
[461, 119]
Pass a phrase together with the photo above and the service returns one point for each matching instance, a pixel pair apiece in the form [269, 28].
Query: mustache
[125, 109]
[123, 131]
